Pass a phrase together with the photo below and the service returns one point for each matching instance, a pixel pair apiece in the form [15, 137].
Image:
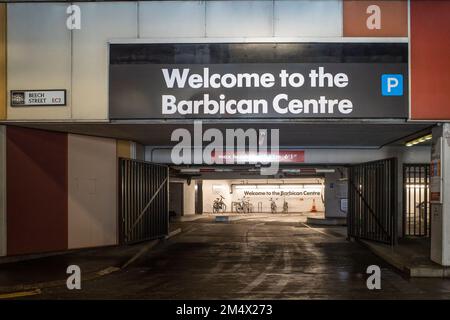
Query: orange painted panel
[123, 149]
[430, 62]
[393, 18]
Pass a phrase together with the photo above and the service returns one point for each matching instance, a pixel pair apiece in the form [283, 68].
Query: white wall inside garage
[416, 154]
[44, 54]
[233, 190]
[189, 198]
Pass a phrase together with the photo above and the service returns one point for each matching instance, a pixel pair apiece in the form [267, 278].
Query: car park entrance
[271, 142]
[372, 199]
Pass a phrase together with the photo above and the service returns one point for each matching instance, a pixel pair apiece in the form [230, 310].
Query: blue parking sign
[392, 84]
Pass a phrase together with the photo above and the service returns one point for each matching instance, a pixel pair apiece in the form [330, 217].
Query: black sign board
[199, 81]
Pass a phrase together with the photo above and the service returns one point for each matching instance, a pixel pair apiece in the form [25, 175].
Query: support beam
[336, 193]
[2, 191]
[2, 61]
[440, 195]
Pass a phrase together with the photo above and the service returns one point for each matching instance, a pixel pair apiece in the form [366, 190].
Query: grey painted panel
[100, 22]
[239, 18]
[308, 18]
[92, 191]
[38, 55]
[171, 19]
[335, 192]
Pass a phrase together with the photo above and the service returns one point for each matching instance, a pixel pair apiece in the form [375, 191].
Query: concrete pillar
[440, 195]
[3, 191]
[2, 61]
[336, 189]
[189, 198]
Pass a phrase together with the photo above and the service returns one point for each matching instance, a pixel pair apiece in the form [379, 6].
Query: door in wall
[176, 199]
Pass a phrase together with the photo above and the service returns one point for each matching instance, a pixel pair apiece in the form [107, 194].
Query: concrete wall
[2, 61]
[189, 198]
[231, 193]
[336, 189]
[299, 18]
[100, 22]
[139, 151]
[176, 199]
[3, 228]
[39, 56]
[92, 204]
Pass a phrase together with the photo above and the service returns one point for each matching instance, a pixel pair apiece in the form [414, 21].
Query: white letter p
[392, 83]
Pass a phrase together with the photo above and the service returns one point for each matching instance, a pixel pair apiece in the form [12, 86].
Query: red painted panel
[36, 191]
[394, 18]
[430, 60]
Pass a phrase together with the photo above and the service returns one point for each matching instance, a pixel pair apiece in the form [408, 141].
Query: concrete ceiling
[292, 134]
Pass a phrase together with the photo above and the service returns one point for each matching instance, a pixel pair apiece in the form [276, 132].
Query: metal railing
[143, 200]
[372, 204]
[416, 200]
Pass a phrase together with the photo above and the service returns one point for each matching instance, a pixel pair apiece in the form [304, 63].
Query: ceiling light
[419, 140]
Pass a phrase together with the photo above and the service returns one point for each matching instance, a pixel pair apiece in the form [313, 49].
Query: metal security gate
[416, 200]
[143, 200]
[372, 205]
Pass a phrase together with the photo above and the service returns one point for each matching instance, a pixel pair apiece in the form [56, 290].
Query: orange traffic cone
[313, 208]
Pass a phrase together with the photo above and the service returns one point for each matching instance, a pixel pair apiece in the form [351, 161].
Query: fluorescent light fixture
[422, 186]
[245, 186]
[325, 170]
[190, 170]
[419, 140]
[277, 186]
[267, 186]
[291, 170]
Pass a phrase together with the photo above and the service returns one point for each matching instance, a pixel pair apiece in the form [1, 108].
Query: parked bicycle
[273, 206]
[219, 206]
[243, 206]
[285, 206]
